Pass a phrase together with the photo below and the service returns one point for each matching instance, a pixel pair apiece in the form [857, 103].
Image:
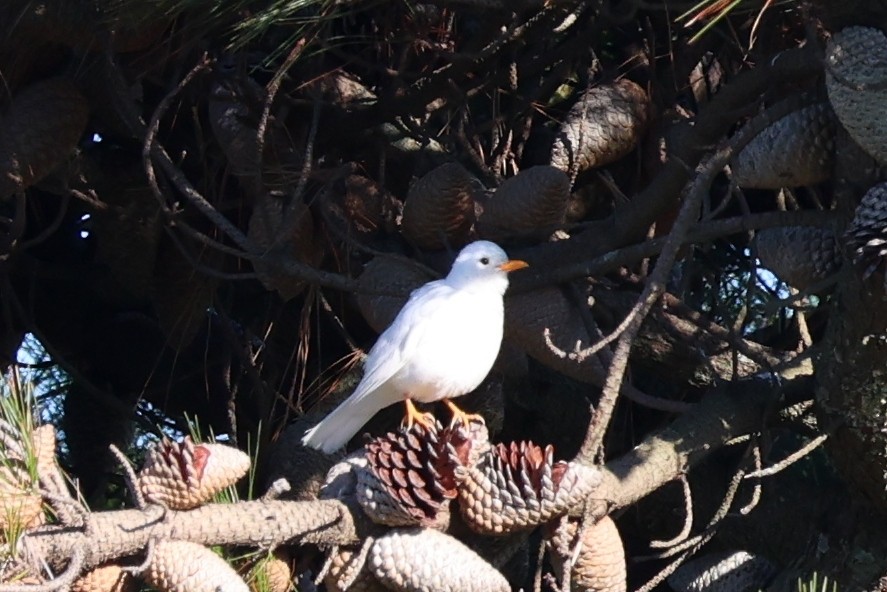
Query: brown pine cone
[423, 560]
[856, 74]
[186, 475]
[105, 578]
[363, 207]
[272, 573]
[527, 317]
[183, 566]
[439, 210]
[602, 127]
[39, 130]
[800, 255]
[282, 229]
[798, 149]
[15, 571]
[19, 505]
[348, 571]
[599, 557]
[531, 204]
[520, 486]
[408, 480]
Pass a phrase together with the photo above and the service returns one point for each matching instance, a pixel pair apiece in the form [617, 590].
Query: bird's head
[482, 264]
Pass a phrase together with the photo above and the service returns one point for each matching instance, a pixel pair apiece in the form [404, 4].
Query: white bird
[441, 345]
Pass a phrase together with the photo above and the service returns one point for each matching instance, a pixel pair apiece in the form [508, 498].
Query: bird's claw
[414, 416]
[462, 417]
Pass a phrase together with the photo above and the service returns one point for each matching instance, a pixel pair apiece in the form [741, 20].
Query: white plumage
[441, 345]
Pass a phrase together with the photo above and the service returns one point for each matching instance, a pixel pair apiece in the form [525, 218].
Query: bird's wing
[391, 351]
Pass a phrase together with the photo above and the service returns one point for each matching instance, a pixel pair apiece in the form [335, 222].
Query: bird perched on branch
[441, 345]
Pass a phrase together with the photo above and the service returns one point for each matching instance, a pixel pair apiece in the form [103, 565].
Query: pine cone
[182, 566]
[439, 210]
[234, 113]
[800, 255]
[105, 578]
[602, 127]
[798, 149]
[186, 475]
[44, 447]
[732, 571]
[600, 561]
[282, 229]
[39, 130]
[423, 560]
[19, 506]
[529, 314]
[13, 570]
[856, 74]
[272, 573]
[341, 480]
[348, 572]
[180, 295]
[303, 468]
[364, 207]
[385, 286]
[866, 236]
[408, 480]
[20, 503]
[532, 204]
[519, 486]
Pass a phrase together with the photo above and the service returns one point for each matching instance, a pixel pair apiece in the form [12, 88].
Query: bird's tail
[337, 428]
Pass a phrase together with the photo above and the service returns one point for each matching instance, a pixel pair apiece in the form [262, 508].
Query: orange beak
[513, 264]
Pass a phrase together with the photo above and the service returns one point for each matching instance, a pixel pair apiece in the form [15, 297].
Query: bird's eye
[484, 260]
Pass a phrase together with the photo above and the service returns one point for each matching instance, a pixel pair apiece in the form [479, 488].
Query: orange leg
[461, 416]
[415, 416]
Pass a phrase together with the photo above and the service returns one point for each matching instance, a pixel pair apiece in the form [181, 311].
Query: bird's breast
[455, 351]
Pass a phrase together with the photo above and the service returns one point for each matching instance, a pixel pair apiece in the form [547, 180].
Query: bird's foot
[462, 417]
[414, 416]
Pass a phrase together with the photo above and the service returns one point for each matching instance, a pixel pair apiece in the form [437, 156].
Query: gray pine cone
[602, 127]
[423, 560]
[732, 571]
[532, 204]
[856, 78]
[798, 149]
[866, 237]
[800, 255]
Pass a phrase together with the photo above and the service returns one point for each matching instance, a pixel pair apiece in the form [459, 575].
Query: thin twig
[151, 151]
[756, 491]
[60, 582]
[129, 474]
[688, 518]
[53, 226]
[790, 459]
[692, 545]
[632, 393]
